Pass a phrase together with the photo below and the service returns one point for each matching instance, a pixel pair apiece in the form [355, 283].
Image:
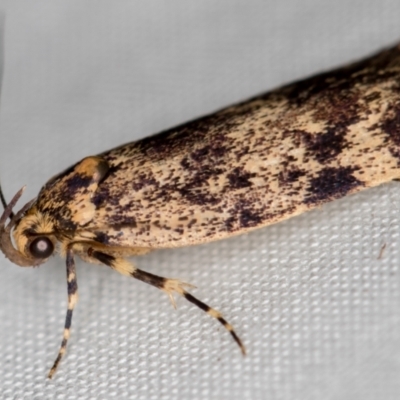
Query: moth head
[33, 247]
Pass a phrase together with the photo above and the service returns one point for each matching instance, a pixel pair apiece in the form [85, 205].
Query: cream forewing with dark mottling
[247, 166]
[250, 165]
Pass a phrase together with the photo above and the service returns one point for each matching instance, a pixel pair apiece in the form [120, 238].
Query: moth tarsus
[250, 165]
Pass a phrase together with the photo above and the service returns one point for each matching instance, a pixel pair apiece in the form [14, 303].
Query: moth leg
[72, 300]
[170, 286]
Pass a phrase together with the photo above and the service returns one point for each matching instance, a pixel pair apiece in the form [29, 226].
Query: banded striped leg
[170, 286]
[72, 300]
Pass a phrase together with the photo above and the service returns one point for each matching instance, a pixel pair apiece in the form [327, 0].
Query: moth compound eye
[41, 247]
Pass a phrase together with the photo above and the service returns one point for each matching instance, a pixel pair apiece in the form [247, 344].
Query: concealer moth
[250, 165]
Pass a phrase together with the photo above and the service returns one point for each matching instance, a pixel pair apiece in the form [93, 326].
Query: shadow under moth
[247, 166]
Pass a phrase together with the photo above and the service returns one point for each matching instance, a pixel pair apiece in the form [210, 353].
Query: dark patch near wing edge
[331, 183]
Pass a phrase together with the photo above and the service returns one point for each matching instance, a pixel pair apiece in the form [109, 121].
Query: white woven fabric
[315, 305]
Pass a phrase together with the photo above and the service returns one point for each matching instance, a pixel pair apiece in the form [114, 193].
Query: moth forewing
[250, 165]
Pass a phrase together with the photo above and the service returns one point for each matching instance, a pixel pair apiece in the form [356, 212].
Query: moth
[256, 163]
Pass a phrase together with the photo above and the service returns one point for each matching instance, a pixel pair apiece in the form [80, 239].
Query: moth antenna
[4, 203]
[6, 245]
[2, 24]
[8, 213]
[2, 30]
[72, 300]
[170, 286]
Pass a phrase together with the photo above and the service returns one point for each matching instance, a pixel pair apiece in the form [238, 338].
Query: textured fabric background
[316, 307]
